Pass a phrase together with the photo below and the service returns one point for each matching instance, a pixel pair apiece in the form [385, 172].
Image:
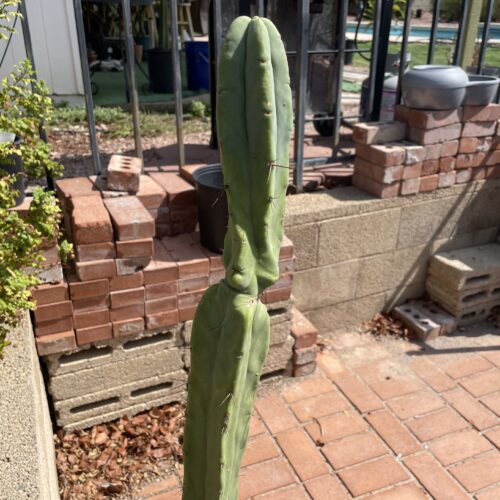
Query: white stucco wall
[55, 46]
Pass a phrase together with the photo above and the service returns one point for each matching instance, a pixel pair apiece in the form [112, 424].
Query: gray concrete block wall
[358, 255]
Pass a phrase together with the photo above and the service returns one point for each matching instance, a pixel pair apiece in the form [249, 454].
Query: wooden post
[470, 28]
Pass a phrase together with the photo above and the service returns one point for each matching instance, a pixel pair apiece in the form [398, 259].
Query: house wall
[357, 255]
[55, 46]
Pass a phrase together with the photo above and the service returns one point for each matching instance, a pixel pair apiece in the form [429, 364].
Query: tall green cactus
[230, 335]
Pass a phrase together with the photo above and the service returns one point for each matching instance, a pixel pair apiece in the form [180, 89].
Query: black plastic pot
[13, 166]
[160, 71]
[212, 207]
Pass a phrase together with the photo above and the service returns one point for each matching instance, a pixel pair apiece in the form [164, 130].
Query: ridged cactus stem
[230, 335]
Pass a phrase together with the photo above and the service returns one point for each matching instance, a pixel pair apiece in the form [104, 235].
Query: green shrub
[451, 11]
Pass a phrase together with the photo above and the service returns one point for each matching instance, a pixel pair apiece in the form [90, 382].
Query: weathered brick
[101, 183]
[53, 311]
[429, 183]
[75, 187]
[93, 317]
[94, 334]
[433, 151]
[130, 218]
[49, 293]
[131, 265]
[430, 167]
[436, 424]
[379, 132]
[449, 148]
[319, 406]
[463, 175]
[286, 251]
[415, 404]
[276, 415]
[475, 144]
[166, 318]
[385, 155]
[163, 304]
[264, 477]
[412, 171]
[187, 313]
[162, 268]
[96, 251]
[304, 370]
[470, 160]
[258, 450]
[161, 290]
[376, 189]
[193, 284]
[327, 486]
[479, 129]
[447, 179]
[447, 164]
[95, 269]
[493, 158]
[56, 343]
[151, 194]
[124, 298]
[483, 383]
[135, 248]
[88, 303]
[128, 327]
[428, 120]
[415, 153]
[491, 112]
[125, 282]
[478, 173]
[124, 173]
[82, 289]
[382, 175]
[493, 172]
[129, 312]
[437, 135]
[410, 186]
[188, 256]
[57, 325]
[179, 191]
[479, 472]
[358, 393]
[303, 331]
[90, 221]
[305, 355]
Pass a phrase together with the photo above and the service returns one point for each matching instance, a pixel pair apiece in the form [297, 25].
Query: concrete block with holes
[124, 173]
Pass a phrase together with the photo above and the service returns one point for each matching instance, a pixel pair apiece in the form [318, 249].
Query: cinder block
[124, 173]
[419, 323]
[130, 218]
[379, 132]
[280, 332]
[278, 355]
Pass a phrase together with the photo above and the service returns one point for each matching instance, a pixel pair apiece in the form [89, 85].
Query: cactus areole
[230, 335]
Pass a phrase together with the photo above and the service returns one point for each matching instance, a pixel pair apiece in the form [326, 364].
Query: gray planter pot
[481, 90]
[434, 87]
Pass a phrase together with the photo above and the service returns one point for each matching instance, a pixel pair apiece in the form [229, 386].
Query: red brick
[130, 312]
[429, 183]
[90, 221]
[441, 134]
[256, 427]
[489, 494]
[435, 378]
[434, 478]
[130, 218]
[124, 173]
[193, 284]
[305, 355]
[433, 151]
[475, 144]
[379, 132]
[49, 293]
[471, 409]
[160, 291]
[124, 298]
[178, 190]
[372, 476]
[449, 148]
[51, 256]
[75, 187]
[94, 317]
[492, 158]
[447, 179]
[385, 155]
[430, 167]
[307, 389]
[163, 304]
[478, 174]
[54, 311]
[54, 326]
[190, 299]
[470, 160]
[336, 426]
[275, 414]
[417, 403]
[303, 455]
[447, 164]
[303, 331]
[492, 401]
[437, 424]
[493, 172]
[457, 447]
[96, 251]
[263, 477]
[479, 129]
[492, 356]
[286, 248]
[166, 318]
[412, 171]
[319, 406]
[135, 248]
[325, 487]
[187, 313]
[393, 432]
[464, 175]
[55, 343]
[432, 119]
[159, 486]
[128, 327]
[382, 175]
[494, 436]
[481, 113]
[189, 257]
[478, 472]
[354, 449]
[465, 366]
[358, 393]
[101, 184]
[163, 268]
[305, 369]
[170, 495]
[83, 289]
[408, 491]
[131, 265]
[95, 269]
[483, 383]
[410, 186]
[378, 190]
[94, 334]
[151, 194]
[91, 303]
[388, 386]
[296, 492]
[280, 294]
[258, 450]
[125, 282]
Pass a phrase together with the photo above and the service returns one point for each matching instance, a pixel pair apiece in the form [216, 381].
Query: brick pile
[427, 150]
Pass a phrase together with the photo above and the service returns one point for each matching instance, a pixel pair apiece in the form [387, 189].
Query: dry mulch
[382, 325]
[113, 459]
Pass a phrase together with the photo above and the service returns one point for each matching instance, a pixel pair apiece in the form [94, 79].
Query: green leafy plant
[398, 9]
[8, 13]
[198, 109]
[230, 335]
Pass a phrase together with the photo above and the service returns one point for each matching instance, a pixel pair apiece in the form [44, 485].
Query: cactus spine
[230, 336]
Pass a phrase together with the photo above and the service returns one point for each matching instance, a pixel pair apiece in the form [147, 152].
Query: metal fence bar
[459, 47]
[434, 27]
[300, 90]
[373, 60]
[341, 44]
[130, 68]
[260, 8]
[404, 48]
[176, 67]
[486, 34]
[87, 88]
[215, 47]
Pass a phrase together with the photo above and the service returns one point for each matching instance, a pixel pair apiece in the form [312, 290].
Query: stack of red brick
[305, 335]
[125, 280]
[427, 150]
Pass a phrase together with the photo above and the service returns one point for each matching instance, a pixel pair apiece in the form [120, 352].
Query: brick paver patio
[381, 419]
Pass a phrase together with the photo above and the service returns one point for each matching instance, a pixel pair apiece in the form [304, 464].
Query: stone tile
[483, 383]
[275, 414]
[358, 393]
[434, 477]
[478, 472]
[336, 426]
[325, 488]
[417, 403]
[259, 449]
[319, 406]
[437, 424]
[372, 476]
[306, 389]
[263, 477]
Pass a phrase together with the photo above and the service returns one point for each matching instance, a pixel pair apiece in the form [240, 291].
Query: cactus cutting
[230, 336]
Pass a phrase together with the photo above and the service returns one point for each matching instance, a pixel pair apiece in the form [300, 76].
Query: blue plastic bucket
[197, 63]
